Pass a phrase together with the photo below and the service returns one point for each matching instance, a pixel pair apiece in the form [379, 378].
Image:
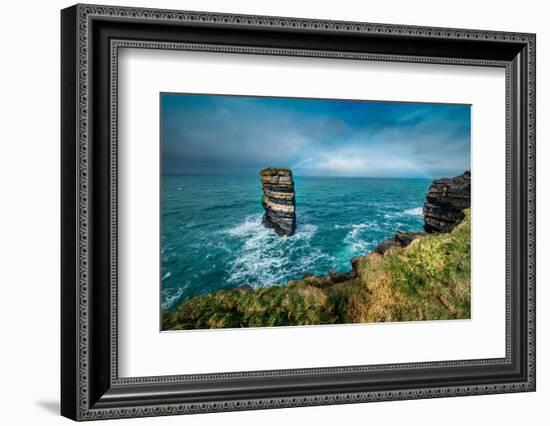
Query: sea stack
[279, 200]
[445, 201]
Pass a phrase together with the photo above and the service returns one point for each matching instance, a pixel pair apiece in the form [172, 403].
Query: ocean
[212, 237]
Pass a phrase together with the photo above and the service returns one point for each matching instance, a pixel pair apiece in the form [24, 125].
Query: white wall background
[29, 212]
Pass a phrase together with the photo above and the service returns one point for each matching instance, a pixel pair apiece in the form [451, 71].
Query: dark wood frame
[91, 37]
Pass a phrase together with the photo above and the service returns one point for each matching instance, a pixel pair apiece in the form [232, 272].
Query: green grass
[429, 280]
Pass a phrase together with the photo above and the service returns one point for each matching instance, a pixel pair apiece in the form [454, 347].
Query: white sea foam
[355, 239]
[171, 296]
[358, 227]
[417, 211]
[247, 227]
[266, 258]
[167, 275]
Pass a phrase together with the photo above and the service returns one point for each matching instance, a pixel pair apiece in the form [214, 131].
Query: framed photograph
[263, 212]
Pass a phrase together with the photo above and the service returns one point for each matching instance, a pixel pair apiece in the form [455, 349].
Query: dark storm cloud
[239, 135]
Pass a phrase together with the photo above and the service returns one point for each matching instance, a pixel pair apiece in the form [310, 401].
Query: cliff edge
[445, 201]
[409, 277]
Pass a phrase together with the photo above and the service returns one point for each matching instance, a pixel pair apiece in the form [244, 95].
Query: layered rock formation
[443, 210]
[279, 200]
[445, 200]
[367, 293]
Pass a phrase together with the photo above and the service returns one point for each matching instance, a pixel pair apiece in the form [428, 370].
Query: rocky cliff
[410, 276]
[400, 239]
[445, 201]
[279, 200]
[427, 280]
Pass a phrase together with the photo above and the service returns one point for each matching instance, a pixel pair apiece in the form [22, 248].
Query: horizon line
[307, 176]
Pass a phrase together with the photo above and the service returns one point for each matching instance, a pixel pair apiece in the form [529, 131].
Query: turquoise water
[212, 236]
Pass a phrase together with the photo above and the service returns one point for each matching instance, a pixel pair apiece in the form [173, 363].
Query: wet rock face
[445, 201]
[400, 239]
[279, 200]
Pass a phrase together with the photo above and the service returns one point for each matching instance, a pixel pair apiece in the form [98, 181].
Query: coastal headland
[410, 276]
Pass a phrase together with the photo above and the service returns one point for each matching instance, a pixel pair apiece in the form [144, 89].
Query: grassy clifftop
[428, 280]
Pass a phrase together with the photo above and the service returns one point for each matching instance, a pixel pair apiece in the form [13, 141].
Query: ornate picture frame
[91, 37]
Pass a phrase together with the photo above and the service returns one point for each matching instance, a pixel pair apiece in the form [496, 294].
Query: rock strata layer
[445, 201]
[279, 200]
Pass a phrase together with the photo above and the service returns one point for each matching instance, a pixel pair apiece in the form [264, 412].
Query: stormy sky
[213, 134]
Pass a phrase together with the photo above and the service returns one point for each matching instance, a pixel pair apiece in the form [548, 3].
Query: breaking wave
[358, 240]
[265, 258]
[417, 211]
[213, 237]
[170, 297]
